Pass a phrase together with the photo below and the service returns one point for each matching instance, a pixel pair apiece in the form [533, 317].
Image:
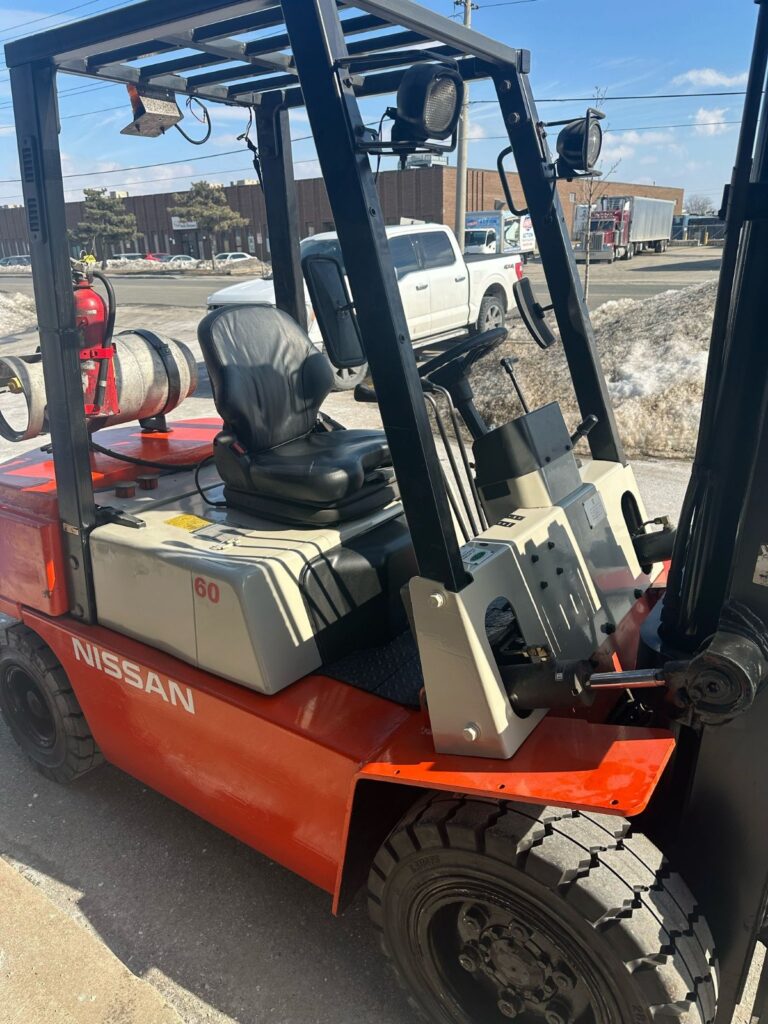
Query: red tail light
[519, 270]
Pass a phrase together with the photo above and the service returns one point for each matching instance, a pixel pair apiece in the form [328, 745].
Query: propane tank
[152, 375]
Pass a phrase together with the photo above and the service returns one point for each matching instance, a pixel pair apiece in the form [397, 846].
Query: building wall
[428, 193]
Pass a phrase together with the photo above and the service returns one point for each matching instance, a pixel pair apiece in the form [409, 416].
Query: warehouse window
[572, 197]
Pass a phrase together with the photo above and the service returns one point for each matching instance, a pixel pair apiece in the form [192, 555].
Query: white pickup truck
[443, 292]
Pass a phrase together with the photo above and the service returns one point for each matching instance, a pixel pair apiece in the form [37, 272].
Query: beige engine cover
[217, 589]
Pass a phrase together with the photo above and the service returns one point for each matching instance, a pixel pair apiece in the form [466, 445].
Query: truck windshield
[512, 233]
[602, 224]
[479, 238]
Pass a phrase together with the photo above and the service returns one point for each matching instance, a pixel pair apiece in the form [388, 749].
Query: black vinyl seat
[269, 382]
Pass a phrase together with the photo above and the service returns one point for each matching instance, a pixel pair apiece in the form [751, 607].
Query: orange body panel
[565, 761]
[279, 772]
[31, 560]
[31, 554]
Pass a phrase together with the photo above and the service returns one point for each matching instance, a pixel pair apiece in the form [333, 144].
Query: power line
[63, 24]
[644, 96]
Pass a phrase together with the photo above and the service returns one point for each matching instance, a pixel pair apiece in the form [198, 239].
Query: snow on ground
[17, 313]
[654, 355]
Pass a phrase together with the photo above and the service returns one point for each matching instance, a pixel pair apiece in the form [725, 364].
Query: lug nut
[126, 490]
[468, 959]
[436, 600]
[471, 732]
[562, 980]
[473, 921]
[148, 482]
[509, 1004]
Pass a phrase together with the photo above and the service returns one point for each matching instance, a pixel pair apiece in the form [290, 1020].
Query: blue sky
[659, 46]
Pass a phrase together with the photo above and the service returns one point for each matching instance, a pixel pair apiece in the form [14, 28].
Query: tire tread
[617, 880]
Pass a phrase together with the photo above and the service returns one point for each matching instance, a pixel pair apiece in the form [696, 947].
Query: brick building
[427, 193]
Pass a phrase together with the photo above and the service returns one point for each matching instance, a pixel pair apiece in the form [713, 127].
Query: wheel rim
[494, 316]
[500, 955]
[28, 708]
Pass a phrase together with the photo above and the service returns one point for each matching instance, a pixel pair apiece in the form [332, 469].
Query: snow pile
[17, 313]
[654, 355]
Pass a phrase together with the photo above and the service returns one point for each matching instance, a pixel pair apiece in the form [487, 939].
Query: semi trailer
[620, 227]
[530, 722]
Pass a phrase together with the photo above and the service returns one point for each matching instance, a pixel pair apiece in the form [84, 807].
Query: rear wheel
[492, 911]
[492, 313]
[41, 710]
[346, 380]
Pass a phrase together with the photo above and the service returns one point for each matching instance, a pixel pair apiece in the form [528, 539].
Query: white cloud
[708, 77]
[707, 121]
[477, 131]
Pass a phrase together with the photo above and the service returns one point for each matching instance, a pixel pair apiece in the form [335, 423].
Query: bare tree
[699, 205]
[591, 191]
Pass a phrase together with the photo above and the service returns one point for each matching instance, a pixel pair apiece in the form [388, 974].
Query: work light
[579, 144]
[429, 102]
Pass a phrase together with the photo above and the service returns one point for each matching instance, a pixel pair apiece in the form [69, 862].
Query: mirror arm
[505, 184]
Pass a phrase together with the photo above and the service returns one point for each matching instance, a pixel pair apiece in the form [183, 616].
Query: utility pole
[463, 140]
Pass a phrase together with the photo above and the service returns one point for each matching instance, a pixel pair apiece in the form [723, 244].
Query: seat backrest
[268, 379]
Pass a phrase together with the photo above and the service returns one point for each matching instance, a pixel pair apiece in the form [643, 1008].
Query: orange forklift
[483, 685]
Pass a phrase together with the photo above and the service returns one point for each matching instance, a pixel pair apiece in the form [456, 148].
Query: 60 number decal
[207, 589]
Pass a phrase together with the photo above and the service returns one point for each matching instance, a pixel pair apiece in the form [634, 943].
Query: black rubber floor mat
[392, 671]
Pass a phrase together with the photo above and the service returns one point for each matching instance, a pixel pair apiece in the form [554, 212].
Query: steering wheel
[462, 356]
[450, 366]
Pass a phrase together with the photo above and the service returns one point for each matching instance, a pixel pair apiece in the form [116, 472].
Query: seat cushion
[321, 468]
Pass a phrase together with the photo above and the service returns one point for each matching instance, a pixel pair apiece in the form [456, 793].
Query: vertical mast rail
[534, 165]
[33, 88]
[336, 124]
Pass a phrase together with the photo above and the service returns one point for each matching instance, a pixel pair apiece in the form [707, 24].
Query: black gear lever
[587, 424]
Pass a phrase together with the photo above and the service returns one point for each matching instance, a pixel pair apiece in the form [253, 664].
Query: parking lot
[646, 275]
[219, 933]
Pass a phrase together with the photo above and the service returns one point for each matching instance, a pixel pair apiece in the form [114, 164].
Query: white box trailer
[498, 231]
[650, 220]
[622, 226]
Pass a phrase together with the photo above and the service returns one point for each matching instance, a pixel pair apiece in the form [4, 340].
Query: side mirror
[334, 311]
[533, 315]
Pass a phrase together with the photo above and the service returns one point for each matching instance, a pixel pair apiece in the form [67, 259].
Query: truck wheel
[346, 380]
[493, 313]
[41, 710]
[491, 911]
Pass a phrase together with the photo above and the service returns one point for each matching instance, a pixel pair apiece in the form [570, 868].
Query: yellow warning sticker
[188, 522]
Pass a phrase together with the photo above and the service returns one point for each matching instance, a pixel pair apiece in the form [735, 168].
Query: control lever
[586, 425]
[507, 363]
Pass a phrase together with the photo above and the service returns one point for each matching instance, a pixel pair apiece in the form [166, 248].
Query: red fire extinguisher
[96, 320]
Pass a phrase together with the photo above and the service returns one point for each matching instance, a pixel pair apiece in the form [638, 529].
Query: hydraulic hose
[111, 306]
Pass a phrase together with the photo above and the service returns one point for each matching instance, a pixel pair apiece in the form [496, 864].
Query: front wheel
[494, 911]
[492, 313]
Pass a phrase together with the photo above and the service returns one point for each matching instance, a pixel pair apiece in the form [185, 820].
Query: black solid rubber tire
[72, 751]
[635, 915]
